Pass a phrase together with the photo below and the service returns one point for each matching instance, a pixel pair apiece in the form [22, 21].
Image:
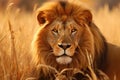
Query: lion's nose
[64, 45]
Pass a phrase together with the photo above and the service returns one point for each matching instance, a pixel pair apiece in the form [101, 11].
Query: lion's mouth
[64, 59]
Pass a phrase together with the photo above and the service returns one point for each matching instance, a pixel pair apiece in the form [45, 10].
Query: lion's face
[67, 36]
[64, 38]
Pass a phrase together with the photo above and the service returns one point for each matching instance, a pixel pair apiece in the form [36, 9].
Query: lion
[66, 37]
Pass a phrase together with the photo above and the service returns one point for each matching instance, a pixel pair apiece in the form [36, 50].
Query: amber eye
[55, 31]
[73, 30]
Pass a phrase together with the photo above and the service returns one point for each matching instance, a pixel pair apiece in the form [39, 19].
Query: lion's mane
[41, 49]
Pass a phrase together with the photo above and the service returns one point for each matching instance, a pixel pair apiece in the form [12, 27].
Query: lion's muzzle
[64, 58]
[64, 45]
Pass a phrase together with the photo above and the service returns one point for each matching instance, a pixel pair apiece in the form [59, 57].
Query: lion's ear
[84, 16]
[87, 16]
[43, 17]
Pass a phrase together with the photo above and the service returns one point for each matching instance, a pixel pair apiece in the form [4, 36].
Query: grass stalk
[14, 64]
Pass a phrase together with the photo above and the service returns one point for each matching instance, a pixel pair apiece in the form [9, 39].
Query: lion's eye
[55, 31]
[73, 31]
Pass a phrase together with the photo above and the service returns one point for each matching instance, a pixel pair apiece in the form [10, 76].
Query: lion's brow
[63, 4]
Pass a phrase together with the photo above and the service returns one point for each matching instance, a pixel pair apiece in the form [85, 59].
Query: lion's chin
[64, 60]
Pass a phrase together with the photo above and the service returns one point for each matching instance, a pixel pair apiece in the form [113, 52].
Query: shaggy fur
[87, 40]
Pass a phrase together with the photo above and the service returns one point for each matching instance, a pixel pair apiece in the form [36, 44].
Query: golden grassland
[16, 32]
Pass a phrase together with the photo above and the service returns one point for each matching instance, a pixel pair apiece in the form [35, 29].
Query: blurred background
[18, 24]
[29, 4]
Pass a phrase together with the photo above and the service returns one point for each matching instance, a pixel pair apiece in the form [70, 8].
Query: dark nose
[64, 45]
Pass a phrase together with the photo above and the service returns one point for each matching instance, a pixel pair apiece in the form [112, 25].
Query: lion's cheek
[70, 51]
[58, 51]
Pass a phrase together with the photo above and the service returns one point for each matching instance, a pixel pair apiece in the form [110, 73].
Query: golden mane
[50, 12]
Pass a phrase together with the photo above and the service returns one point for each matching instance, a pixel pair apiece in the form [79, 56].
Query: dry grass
[16, 32]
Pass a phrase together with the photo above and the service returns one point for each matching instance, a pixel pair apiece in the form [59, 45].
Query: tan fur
[72, 24]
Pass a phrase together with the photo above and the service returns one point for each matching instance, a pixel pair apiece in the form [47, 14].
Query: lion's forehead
[61, 25]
